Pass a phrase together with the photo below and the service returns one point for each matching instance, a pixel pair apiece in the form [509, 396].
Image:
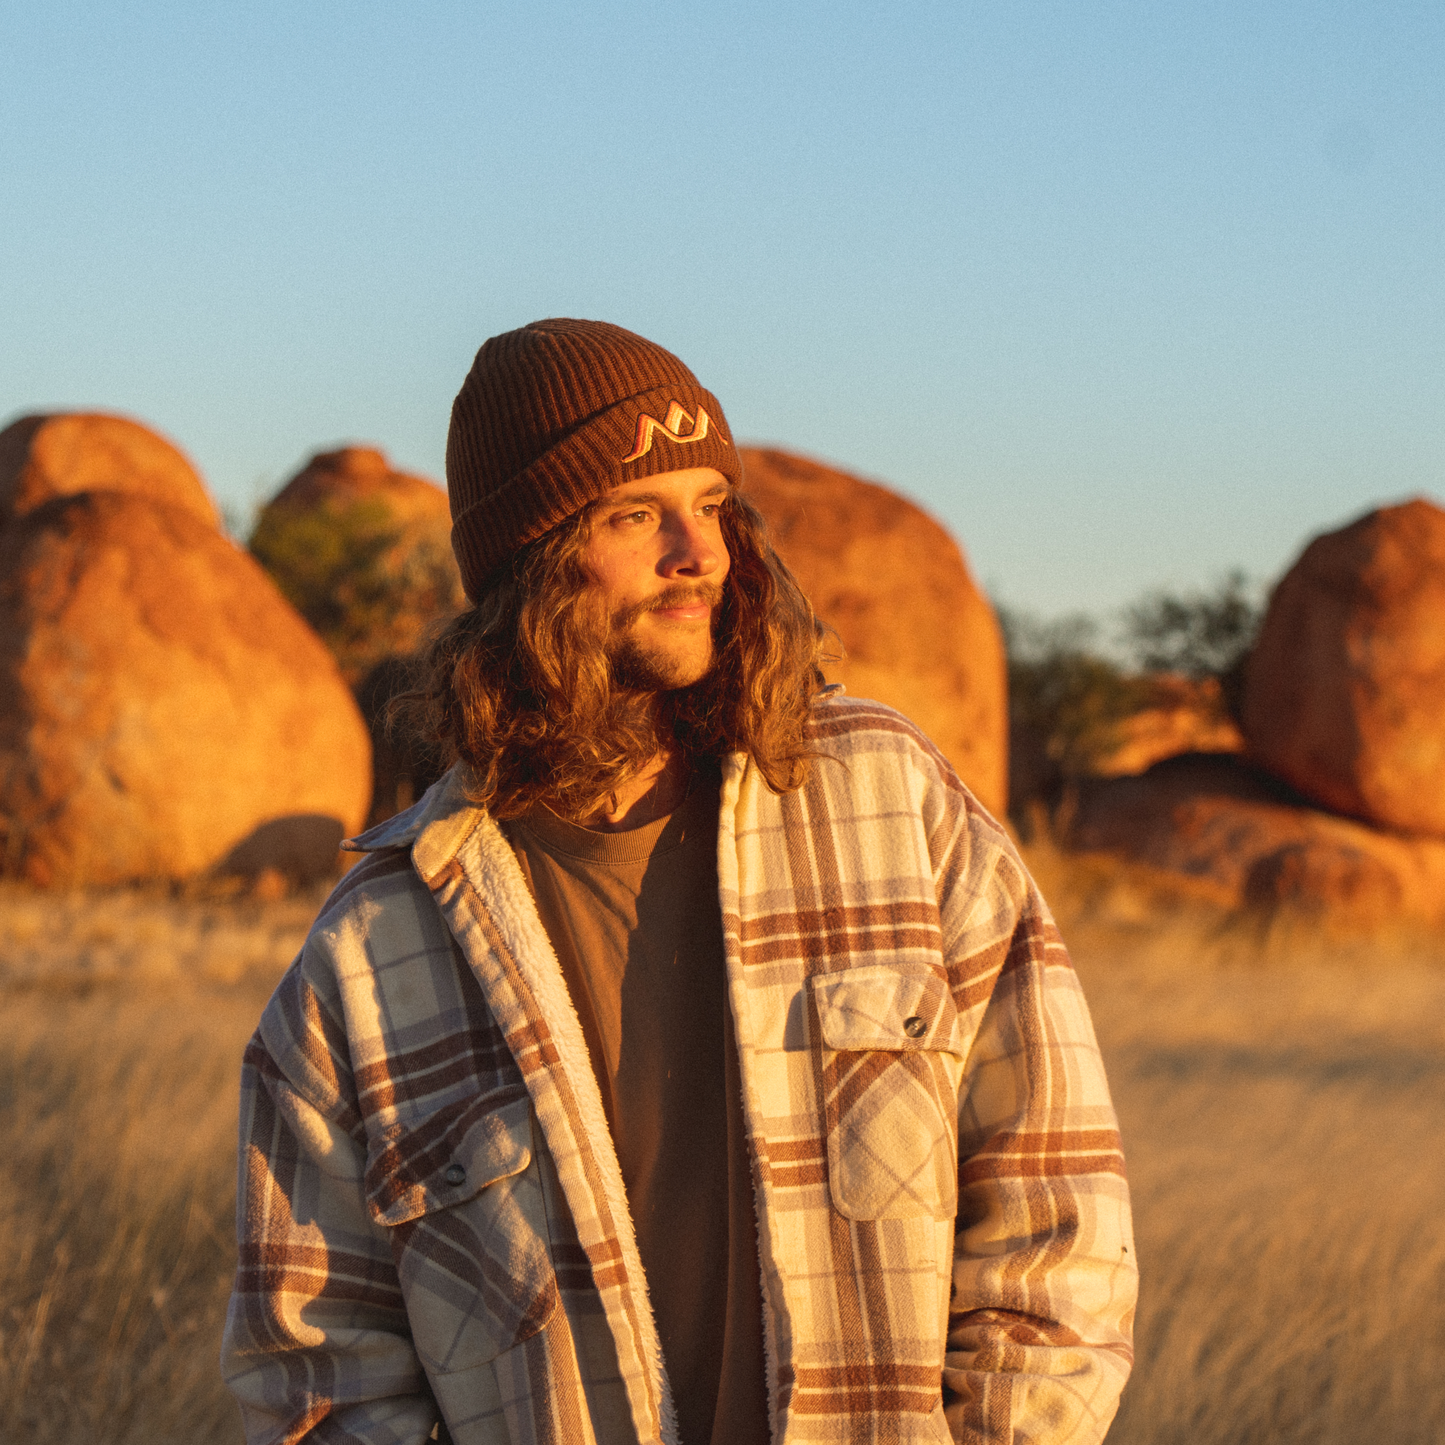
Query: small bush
[1198, 634]
[1066, 700]
[1069, 692]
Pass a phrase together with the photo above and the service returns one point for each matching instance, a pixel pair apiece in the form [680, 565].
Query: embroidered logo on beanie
[671, 429]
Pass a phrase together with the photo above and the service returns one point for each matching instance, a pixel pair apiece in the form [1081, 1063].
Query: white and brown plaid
[434, 1233]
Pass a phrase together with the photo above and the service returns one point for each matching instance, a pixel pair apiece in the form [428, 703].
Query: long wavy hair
[521, 686]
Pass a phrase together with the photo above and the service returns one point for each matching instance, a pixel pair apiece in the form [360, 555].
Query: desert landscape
[1240, 826]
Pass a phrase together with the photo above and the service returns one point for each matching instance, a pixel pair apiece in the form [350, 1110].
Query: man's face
[657, 561]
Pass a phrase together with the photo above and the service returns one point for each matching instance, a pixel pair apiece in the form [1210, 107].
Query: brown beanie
[556, 414]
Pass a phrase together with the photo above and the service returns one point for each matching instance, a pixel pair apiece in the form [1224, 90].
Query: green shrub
[1064, 696]
[1198, 634]
[349, 574]
[1069, 692]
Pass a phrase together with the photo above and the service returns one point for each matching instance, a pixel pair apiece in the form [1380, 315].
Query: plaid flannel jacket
[434, 1233]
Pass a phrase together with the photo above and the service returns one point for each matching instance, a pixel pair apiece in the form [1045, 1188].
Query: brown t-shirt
[635, 921]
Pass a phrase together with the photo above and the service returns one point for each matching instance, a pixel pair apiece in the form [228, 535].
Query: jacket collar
[434, 827]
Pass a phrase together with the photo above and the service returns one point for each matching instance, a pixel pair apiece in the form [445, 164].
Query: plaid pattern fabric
[432, 1219]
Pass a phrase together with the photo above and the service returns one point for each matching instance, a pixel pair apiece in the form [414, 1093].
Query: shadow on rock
[301, 846]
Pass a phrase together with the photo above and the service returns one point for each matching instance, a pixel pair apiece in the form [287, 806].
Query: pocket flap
[883, 1007]
[448, 1157]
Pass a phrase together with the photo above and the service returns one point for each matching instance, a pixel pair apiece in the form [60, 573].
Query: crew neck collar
[696, 814]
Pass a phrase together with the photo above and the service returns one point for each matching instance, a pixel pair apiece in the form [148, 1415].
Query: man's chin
[644, 670]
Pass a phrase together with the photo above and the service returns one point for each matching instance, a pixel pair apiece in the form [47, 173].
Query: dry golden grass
[1281, 1099]
[1281, 1091]
[1283, 1137]
[124, 1017]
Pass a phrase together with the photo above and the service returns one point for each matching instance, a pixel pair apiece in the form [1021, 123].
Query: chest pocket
[462, 1197]
[891, 1067]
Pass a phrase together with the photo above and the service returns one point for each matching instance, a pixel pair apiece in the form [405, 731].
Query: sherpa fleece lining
[492, 870]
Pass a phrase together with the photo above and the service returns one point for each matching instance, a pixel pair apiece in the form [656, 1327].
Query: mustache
[680, 594]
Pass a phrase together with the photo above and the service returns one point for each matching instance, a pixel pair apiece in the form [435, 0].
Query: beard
[666, 662]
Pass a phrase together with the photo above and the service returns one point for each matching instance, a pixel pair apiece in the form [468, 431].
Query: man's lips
[689, 612]
[677, 604]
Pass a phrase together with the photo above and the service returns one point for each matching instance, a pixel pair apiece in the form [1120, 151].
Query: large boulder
[1345, 689]
[1247, 841]
[349, 475]
[61, 455]
[917, 632]
[163, 711]
[364, 552]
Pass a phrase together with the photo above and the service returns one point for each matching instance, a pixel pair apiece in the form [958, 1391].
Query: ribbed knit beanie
[556, 414]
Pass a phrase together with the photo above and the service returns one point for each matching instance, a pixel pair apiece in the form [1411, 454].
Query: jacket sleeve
[316, 1345]
[1044, 1273]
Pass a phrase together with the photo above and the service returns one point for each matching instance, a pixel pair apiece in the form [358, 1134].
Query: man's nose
[691, 552]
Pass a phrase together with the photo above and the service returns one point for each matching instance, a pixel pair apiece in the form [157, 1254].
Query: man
[696, 1061]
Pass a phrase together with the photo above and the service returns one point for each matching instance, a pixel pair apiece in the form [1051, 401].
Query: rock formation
[163, 711]
[1182, 716]
[364, 553]
[917, 632]
[42, 457]
[1345, 690]
[1078, 716]
[349, 475]
[1251, 842]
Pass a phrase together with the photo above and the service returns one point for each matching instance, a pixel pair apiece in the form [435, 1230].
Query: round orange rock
[43, 457]
[917, 632]
[1345, 690]
[163, 710]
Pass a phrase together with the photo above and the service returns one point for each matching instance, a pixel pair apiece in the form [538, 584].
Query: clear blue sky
[1126, 294]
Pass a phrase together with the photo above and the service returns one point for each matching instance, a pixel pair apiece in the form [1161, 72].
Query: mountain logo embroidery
[671, 429]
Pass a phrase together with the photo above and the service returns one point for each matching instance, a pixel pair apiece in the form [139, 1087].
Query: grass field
[1281, 1109]
[124, 1017]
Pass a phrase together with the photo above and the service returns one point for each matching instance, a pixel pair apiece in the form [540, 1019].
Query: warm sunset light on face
[658, 559]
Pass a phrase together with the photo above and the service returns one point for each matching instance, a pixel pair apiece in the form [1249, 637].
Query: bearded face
[656, 560]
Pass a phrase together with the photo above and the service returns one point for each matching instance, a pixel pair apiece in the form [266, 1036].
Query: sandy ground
[1281, 1112]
